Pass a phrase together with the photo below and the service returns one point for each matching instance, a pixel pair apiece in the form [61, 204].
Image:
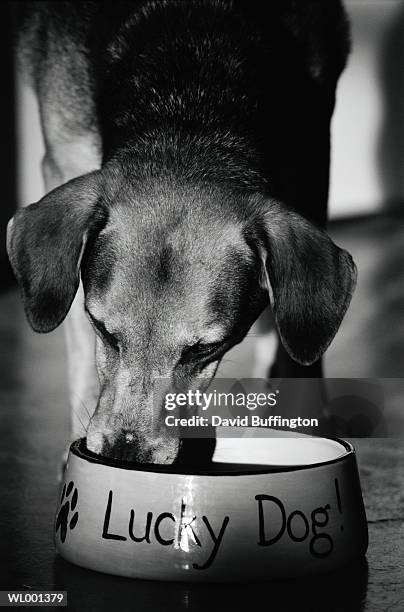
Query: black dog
[187, 146]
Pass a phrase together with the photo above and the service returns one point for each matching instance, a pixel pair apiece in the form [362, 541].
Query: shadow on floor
[341, 591]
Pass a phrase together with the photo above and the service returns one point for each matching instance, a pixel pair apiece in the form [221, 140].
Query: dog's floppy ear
[310, 281]
[45, 242]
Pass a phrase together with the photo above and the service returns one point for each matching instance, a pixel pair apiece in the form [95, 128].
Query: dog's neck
[191, 113]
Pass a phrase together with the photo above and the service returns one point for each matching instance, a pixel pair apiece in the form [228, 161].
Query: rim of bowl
[79, 449]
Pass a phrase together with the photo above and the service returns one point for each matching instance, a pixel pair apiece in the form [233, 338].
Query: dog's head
[173, 278]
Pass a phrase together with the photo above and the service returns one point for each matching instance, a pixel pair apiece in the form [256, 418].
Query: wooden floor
[34, 426]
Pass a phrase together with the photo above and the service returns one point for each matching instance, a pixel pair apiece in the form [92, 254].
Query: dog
[187, 170]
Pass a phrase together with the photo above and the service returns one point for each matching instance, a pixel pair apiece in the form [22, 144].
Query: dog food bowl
[264, 509]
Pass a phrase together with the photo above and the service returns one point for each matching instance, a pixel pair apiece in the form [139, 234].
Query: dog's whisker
[85, 428]
[83, 405]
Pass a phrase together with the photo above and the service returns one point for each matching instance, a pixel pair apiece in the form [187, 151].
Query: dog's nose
[128, 446]
[125, 447]
[129, 437]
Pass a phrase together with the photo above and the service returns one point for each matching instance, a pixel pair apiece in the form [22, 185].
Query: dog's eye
[100, 327]
[200, 350]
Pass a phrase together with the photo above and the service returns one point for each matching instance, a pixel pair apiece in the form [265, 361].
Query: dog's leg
[265, 345]
[83, 378]
[303, 398]
[62, 162]
[71, 150]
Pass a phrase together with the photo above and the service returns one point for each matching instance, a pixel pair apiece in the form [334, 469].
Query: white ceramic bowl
[300, 511]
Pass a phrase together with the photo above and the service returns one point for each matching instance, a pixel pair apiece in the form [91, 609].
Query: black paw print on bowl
[67, 518]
